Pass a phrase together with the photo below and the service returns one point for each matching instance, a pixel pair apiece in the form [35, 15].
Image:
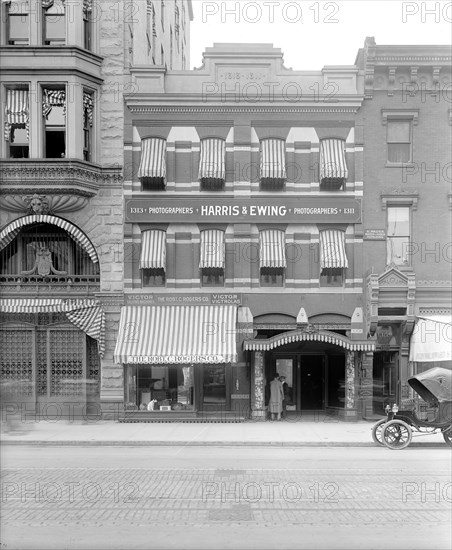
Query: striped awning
[299, 336]
[88, 107]
[9, 233]
[87, 6]
[16, 110]
[273, 159]
[332, 249]
[153, 249]
[333, 168]
[212, 249]
[177, 335]
[153, 159]
[431, 340]
[272, 249]
[87, 315]
[212, 160]
[53, 98]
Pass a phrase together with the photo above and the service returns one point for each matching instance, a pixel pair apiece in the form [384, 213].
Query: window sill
[409, 164]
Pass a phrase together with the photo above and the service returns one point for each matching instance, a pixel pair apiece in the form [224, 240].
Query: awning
[300, 336]
[212, 249]
[53, 98]
[153, 249]
[273, 160]
[333, 168]
[332, 249]
[9, 233]
[212, 160]
[432, 339]
[153, 160]
[87, 315]
[16, 110]
[177, 335]
[272, 250]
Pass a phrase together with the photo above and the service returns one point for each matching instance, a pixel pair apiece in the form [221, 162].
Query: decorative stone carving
[37, 204]
[350, 380]
[53, 203]
[43, 263]
[391, 80]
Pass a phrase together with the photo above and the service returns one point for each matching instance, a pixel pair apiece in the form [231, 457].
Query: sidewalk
[323, 432]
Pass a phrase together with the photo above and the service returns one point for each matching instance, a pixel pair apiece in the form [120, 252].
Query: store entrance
[311, 382]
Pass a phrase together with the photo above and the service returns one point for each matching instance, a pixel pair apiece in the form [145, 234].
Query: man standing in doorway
[285, 401]
[276, 398]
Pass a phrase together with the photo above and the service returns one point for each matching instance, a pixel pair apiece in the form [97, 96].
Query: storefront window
[214, 385]
[160, 388]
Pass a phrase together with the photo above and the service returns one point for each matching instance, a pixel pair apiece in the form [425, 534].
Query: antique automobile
[434, 386]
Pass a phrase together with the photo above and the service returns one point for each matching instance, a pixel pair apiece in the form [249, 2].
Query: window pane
[55, 28]
[398, 221]
[18, 28]
[19, 135]
[399, 131]
[399, 152]
[397, 250]
[56, 117]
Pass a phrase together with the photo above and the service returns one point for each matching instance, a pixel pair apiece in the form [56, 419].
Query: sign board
[176, 299]
[244, 210]
[374, 235]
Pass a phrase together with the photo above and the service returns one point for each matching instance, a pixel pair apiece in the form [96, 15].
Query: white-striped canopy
[273, 159]
[332, 160]
[87, 315]
[153, 159]
[212, 249]
[212, 159]
[177, 335]
[272, 248]
[153, 249]
[332, 249]
[299, 336]
[87, 6]
[9, 232]
[16, 110]
[53, 98]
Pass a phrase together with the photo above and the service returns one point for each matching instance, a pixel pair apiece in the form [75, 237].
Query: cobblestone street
[327, 491]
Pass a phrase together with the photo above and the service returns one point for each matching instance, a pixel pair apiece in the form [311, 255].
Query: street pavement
[310, 430]
[225, 497]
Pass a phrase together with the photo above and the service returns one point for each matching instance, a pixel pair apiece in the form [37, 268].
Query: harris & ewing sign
[244, 209]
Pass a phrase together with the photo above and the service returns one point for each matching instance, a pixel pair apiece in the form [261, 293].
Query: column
[257, 385]
[350, 402]
[366, 392]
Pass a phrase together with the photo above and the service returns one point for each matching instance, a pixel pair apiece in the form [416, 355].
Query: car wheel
[448, 436]
[396, 434]
[376, 431]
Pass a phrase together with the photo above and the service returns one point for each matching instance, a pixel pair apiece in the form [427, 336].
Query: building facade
[65, 66]
[407, 215]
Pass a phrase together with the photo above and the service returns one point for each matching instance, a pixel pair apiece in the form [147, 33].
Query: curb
[210, 444]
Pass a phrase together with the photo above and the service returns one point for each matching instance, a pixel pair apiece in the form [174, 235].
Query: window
[153, 258]
[152, 169]
[273, 164]
[333, 166]
[398, 235]
[17, 123]
[87, 24]
[54, 23]
[54, 112]
[153, 277]
[18, 23]
[212, 171]
[399, 141]
[333, 257]
[88, 107]
[272, 276]
[211, 258]
[272, 257]
[44, 252]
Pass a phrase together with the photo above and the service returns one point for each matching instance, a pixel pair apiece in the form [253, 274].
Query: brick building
[65, 65]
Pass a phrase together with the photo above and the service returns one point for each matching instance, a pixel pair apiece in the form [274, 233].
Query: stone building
[65, 66]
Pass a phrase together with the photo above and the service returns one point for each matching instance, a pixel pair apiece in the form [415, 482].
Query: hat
[283, 377]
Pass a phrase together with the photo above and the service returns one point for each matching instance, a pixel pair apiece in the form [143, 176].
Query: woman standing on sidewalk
[276, 398]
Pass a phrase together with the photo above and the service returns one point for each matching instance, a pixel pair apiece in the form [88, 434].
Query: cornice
[232, 110]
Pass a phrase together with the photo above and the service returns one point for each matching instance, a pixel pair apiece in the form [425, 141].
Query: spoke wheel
[396, 434]
[377, 431]
[448, 436]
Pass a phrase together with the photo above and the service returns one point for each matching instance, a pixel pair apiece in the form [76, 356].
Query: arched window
[212, 170]
[273, 164]
[272, 257]
[44, 253]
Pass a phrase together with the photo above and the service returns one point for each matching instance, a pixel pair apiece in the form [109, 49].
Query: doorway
[305, 376]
